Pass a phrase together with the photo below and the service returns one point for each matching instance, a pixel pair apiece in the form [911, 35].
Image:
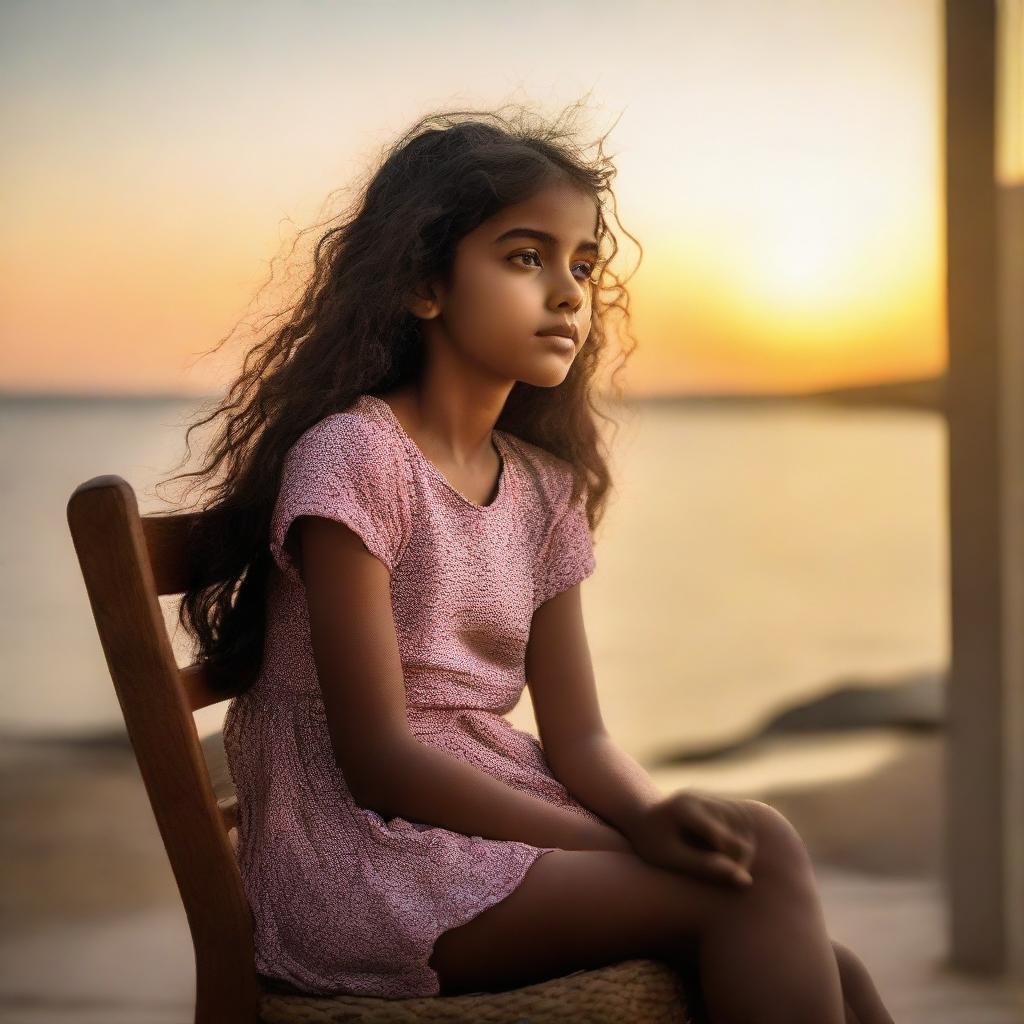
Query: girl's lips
[563, 344]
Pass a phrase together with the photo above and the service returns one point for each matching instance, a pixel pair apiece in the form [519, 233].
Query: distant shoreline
[909, 701]
[925, 393]
[98, 397]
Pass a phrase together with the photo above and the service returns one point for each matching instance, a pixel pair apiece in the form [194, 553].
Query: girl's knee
[780, 851]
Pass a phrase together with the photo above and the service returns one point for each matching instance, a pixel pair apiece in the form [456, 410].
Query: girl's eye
[532, 253]
[528, 253]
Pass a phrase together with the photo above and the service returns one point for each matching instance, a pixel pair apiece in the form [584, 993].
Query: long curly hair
[349, 333]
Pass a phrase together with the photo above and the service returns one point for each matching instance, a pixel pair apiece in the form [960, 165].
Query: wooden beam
[984, 770]
[1011, 332]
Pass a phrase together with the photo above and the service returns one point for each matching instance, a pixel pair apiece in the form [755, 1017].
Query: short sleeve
[348, 469]
[567, 557]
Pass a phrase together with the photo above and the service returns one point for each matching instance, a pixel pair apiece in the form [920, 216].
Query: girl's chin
[550, 376]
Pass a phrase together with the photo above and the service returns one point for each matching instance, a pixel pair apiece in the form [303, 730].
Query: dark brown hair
[349, 332]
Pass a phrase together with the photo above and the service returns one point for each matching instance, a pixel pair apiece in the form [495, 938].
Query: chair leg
[222, 998]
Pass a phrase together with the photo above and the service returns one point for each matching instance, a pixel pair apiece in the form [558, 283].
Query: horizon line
[43, 394]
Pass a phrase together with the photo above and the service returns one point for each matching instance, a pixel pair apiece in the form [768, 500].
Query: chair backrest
[128, 561]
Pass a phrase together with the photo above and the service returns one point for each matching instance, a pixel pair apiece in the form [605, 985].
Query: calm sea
[751, 555]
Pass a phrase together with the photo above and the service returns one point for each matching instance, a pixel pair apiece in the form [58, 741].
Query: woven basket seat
[641, 990]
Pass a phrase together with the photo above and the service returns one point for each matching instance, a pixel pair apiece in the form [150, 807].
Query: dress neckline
[497, 439]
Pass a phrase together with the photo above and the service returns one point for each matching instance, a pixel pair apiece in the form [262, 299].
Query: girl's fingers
[747, 838]
[738, 845]
[742, 824]
[718, 835]
[713, 866]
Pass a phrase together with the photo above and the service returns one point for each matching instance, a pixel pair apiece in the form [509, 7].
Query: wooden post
[984, 769]
[1010, 232]
[1012, 335]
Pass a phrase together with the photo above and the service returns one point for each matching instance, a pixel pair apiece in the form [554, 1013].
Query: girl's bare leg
[763, 952]
[780, 937]
[863, 1003]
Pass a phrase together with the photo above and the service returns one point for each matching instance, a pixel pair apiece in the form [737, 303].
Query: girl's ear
[424, 302]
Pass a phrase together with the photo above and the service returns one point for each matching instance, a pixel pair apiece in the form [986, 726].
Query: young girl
[412, 473]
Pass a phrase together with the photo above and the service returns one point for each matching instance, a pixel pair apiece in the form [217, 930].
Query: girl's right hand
[707, 836]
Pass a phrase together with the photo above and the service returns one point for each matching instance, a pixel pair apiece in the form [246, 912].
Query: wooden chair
[127, 562]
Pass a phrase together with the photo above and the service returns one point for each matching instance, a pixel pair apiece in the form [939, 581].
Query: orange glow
[787, 198]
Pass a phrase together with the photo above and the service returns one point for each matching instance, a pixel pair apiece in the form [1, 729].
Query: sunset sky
[779, 162]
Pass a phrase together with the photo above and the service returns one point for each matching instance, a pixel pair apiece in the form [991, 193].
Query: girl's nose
[568, 293]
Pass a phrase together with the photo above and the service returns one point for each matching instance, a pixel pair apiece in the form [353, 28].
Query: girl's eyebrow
[543, 236]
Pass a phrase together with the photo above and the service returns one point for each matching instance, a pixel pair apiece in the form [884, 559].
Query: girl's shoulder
[355, 437]
[352, 451]
[358, 420]
[345, 466]
[550, 476]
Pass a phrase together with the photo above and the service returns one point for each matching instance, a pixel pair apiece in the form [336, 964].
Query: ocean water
[751, 555]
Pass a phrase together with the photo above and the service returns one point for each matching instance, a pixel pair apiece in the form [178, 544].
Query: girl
[411, 475]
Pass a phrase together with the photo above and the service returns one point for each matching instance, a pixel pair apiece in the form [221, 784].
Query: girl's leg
[763, 953]
[860, 1006]
[862, 998]
[871, 1011]
[781, 939]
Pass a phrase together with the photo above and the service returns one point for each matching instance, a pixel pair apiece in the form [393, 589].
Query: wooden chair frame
[128, 561]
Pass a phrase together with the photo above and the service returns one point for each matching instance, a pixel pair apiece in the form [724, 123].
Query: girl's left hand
[697, 833]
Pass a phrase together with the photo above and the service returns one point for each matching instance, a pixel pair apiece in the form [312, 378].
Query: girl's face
[530, 268]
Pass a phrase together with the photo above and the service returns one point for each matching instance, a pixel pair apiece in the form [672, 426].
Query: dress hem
[494, 897]
[417, 966]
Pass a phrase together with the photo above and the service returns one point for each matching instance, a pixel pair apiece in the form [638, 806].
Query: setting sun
[787, 196]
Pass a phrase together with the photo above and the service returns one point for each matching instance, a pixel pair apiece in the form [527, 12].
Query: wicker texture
[643, 991]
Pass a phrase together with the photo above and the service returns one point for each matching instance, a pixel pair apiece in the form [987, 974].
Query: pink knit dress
[344, 901]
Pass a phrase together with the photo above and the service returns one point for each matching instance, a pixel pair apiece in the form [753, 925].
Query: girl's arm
[422, 783]
[355, 649]
[582, 754]
[684, 831]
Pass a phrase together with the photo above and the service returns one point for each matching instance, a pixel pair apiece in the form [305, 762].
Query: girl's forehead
[561, 210]
[556, 199]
